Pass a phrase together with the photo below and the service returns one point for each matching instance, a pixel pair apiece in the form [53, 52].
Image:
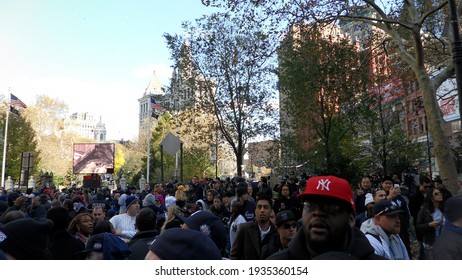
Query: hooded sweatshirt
[386, 245]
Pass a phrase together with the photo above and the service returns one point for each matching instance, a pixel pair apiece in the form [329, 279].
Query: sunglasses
[327, 208]
[437, 193]
[289, 225]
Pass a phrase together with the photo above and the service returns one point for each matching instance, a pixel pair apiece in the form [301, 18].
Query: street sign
[171, 144]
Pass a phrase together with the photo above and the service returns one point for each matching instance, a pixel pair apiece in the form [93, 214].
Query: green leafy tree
[197, 163]
[21, 138]
[384, 146]
[164, 125]
[119, 159]
[228, 62]
[415, 30]
[323, 82]
[55, 144]
[131, 165]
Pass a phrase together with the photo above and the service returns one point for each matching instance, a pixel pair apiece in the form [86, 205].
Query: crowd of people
[318, 217]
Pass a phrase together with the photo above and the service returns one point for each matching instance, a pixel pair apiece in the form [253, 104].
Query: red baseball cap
[329, 187]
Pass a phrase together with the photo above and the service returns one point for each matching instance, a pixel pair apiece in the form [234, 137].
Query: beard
[335, 240]
[263, 220]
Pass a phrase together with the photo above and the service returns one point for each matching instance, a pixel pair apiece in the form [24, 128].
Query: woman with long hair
[430, 220]
[172, 221]
[181, 197]
[81, 226]
[211, 193]
[284, 200]
[234, 221]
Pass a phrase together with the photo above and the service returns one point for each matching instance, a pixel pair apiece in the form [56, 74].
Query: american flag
[156, 106]
[16, 102]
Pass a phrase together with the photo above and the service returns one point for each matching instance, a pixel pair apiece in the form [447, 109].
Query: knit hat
[130, 200]
[149, 200]
[369, 199]
[26, 239]
[328, 187]
[184, 244]
[284, 216]
[208, 224]
[453, 208]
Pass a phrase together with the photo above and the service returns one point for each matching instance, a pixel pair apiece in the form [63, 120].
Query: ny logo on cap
[323, 184]
[205, 229]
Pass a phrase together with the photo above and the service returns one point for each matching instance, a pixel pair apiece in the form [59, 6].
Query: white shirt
[233, 228]
[124, 223]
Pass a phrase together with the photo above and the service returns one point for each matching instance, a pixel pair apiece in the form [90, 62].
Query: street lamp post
[456, 50]
[428, 147]
[419, 105]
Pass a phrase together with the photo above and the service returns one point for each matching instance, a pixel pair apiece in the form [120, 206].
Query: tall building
[99, 132]
[183, 95]
[187, 85]
[153, 91]
[399, 91]
[192, 121]
[85, 125]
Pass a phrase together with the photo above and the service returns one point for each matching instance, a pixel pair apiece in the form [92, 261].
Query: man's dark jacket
[248, 243]
[139, 244]
[358, 248]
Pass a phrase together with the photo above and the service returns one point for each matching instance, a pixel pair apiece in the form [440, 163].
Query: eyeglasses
[287, 225]
[327, 208]
[437, 193]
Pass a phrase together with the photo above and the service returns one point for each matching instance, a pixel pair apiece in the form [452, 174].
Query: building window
[455, 126]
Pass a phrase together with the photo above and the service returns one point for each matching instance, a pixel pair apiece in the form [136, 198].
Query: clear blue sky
[95, 55]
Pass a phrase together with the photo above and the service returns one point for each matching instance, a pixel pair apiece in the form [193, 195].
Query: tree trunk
[239, 162]
[436, 123]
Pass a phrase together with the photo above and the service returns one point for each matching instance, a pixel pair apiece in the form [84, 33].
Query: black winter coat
[358, 248]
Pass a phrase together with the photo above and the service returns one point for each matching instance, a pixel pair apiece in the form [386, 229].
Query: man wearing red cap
[328, 220]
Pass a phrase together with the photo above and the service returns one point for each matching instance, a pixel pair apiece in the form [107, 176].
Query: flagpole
[149, 140]
[5, 142]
